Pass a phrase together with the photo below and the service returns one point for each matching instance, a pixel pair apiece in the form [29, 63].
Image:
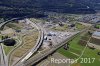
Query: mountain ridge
[62, 6]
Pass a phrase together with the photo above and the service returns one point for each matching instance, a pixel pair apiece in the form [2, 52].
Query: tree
[9, 42]
[89, 32]
[72, 25]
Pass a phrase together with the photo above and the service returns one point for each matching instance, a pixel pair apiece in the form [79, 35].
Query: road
[40, 56]
[4, 23]
[26, 61]
[39, 42]
[19, 42]
[36, 47]
[2, 61]
[4, 40]
[3, 57]
[34, 60]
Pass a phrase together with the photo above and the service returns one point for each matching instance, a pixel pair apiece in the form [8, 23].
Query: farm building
[95, 40]
[96, 34]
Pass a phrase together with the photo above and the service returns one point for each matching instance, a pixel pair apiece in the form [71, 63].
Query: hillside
[32, 6]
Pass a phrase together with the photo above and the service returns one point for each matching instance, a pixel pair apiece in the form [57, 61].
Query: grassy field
[7, 49]
[98, 26]
[75, 51]
[28, 43]
[13, 25]
[60, 28]
[79, 26]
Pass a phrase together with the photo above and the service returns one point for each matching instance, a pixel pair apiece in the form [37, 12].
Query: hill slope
[29, 6]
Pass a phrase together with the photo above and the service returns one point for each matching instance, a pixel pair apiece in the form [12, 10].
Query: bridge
[4, 23]
[33, 60]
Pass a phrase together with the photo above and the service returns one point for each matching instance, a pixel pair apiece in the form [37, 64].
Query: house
[95, 40]
[96, 34]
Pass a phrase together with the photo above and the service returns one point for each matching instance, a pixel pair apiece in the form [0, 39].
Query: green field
[13, 25]
[75, 51]
[7, 49]
[98, 26]
[60, 28]
[79, 26]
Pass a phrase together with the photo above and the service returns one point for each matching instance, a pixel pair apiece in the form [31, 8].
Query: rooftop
[96, 33]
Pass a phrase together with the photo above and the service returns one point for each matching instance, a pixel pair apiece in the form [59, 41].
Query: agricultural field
[75, 51]
[95, 41]
[97, 26]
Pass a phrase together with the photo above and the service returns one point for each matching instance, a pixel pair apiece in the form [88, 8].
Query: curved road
[35, 48]
[38, 44]
[39, 57]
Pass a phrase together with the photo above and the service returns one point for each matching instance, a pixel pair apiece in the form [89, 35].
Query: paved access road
[36, 47]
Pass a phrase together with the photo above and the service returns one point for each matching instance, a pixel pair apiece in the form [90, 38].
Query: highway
[2, 60]
[19, 42]
[33, 60]
[26, 60]
[4, 23]
[39, 42]
[35, 48]
[3, 57]
[8, 21]
[4, 40]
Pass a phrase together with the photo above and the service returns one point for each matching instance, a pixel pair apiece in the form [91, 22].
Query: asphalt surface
[35, 48]
[34, 60]
[3, 57]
